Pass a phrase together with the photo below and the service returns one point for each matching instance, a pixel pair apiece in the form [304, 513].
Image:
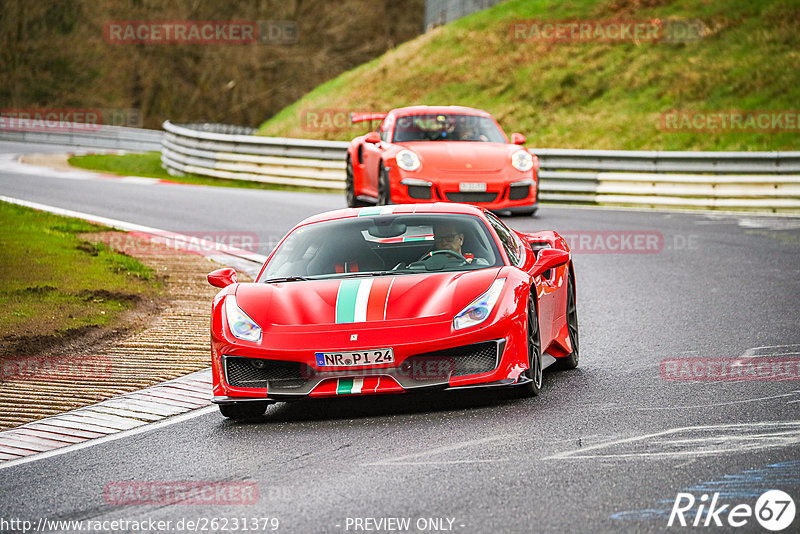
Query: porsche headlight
[479, 309]
[240, 324]
[407, 160]
[522, 160]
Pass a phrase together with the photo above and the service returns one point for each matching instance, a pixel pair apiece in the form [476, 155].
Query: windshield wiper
[286, 279]
[376, 273]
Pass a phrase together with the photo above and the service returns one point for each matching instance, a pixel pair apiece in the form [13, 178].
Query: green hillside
[584, 94]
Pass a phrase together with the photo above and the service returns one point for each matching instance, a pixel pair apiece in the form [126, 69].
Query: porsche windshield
[383, 245]
[447, 127]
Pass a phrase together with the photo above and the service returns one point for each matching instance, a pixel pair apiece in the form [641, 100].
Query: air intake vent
[458, 361]
[257, 373]
[471, 197]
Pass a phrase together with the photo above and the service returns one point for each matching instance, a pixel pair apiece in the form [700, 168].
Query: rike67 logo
[774, 511]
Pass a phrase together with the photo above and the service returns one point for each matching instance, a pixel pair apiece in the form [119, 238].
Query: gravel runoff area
[154, 346]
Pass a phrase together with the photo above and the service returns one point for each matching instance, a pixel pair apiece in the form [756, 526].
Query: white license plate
[353, 358]
[472, 187]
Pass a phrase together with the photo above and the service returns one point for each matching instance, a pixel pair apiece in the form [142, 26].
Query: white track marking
[793, 393]
[111, 437]
[733, 438]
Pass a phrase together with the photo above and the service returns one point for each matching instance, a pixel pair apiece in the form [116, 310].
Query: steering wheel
[433, 253]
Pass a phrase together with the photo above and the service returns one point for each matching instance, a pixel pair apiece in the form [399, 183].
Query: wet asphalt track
[605, 448]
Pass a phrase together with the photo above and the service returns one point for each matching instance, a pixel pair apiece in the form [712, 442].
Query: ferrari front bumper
[283, 380]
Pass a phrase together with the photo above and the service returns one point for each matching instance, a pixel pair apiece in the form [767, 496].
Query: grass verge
[148, 165]
[56, 285]
[581, 94]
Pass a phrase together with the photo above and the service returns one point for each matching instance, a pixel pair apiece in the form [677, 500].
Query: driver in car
[447, 237]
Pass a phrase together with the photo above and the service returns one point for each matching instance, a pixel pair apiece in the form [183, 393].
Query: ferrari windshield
[447, 127]
[383, 245]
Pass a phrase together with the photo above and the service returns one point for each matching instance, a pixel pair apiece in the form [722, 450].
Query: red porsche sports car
[441, 153]
[394, 299]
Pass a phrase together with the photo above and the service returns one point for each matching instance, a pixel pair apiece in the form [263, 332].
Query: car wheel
[350, 187]
[244, 410]
[571, 361]
[534, 372]
[384, 191]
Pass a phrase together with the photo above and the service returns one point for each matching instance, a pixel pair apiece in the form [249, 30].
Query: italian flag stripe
[349, 386]
[362, 300]
[362, 296]
[376, 306]
[375, 210]
[346, 301]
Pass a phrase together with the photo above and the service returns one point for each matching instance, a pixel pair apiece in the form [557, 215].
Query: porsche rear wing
[364, 117]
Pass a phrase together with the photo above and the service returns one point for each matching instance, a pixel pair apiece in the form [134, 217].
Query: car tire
[384, 188]
[571, 361]
[534, 371]
[244, 410]
[350, 188]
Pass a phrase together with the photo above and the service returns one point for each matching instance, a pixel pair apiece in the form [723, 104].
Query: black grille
[471, 197]
[458, 361]
[243, 373]
[421, 192]
[518, 192]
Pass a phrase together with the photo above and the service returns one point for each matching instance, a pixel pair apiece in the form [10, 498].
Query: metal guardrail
[714, 180]
[90, 136]
[276, 160]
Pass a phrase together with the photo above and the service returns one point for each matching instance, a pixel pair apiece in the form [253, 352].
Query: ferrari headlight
[522, 160]
[479, 309]
[407, 160]
[240, 324]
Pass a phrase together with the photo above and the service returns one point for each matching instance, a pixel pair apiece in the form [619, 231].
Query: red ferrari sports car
[449, 153]
[394, 299]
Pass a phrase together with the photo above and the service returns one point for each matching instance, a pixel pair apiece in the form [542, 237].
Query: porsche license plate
[472, 187]
[353, 358]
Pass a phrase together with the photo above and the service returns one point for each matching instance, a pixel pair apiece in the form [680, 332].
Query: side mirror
[518, 139]
[222, 277]
[373, 137]
[549, 258]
